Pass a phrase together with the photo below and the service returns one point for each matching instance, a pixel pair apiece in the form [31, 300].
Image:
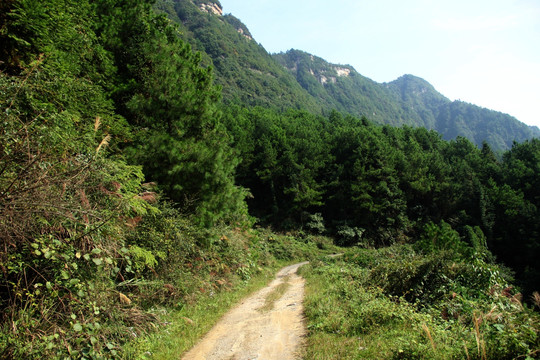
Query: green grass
[349, 322]
[352, 314]
[275, 295]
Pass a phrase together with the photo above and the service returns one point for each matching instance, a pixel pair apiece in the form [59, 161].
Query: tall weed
[395, 303]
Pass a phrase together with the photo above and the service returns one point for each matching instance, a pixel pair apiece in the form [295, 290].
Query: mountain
[246, 72]
[408, 100]
[250, 76]
[340, 87]
[458, 118]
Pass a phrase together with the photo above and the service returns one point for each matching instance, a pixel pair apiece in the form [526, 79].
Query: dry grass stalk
[103, 143]
[492, 315]
[466, 350]
[480, 343]
[97, 123]
[517, 299]
[536, 298]
[428, 334]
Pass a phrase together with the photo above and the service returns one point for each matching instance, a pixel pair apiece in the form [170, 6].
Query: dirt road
[248, 332]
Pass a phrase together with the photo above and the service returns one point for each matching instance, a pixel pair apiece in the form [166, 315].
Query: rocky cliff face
[243, 33]
[342, 71]
[211, 8]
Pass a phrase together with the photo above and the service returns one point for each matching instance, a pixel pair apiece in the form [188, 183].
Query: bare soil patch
[247, 333]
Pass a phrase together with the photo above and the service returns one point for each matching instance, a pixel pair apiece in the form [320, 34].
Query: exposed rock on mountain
[212, 8]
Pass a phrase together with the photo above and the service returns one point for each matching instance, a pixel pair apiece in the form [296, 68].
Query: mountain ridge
[408, 100]
[246, 72]
[251, 76]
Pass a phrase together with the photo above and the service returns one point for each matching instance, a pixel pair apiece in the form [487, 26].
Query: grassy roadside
[179, 329]
[396, 303]
[186, 326]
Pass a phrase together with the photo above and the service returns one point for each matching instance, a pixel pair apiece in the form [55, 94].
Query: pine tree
[179, 138]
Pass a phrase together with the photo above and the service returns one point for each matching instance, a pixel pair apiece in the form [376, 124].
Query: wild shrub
[316, 223]
[65, 204]
[61, 230]
[396, 303]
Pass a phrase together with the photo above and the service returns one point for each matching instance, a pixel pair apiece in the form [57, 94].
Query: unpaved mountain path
[248, 332]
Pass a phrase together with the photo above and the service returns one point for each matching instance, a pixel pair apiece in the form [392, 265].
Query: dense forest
[127, 184]
[372, 185]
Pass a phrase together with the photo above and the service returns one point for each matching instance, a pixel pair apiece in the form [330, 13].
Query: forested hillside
[295, 79]
[115, 174]
[408, 100]
[373, 185]
[245, 71]
[130, 192]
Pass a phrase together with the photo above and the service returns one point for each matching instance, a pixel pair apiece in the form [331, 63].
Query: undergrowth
[401, 303]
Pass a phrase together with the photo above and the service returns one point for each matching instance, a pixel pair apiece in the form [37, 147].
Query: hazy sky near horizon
[486, 52]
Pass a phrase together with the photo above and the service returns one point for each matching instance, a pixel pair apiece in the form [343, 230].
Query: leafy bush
[316, 223]
[351, 235]
[441, 238]
[395, 303]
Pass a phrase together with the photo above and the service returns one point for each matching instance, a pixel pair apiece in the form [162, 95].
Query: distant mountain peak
[412, 82]
[414, 85]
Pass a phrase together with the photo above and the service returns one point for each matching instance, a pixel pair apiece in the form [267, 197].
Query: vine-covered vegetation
[128, 190]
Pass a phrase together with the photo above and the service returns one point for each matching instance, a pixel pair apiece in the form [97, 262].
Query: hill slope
[408, 100]
[457, 118]
[251, 76]
[245, 70]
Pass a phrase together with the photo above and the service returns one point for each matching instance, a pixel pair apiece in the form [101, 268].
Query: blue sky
[485, 52]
